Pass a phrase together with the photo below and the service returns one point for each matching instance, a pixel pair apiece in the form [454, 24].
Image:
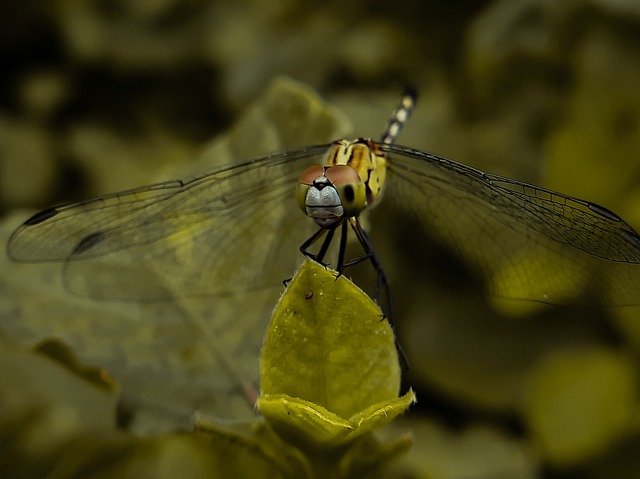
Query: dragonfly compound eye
[350, 188]
[305, 181]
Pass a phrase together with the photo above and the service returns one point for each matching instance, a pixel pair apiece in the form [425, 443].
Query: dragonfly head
[330, 194]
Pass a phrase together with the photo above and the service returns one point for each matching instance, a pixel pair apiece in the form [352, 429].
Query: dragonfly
[237, 228]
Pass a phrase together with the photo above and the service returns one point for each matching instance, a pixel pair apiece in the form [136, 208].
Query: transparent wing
[235, 229]
[526, 242]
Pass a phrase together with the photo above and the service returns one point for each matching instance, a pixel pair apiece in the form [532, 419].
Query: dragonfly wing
[235, 229]
[526, 242]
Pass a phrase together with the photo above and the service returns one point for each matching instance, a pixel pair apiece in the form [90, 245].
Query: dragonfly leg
[341, 251]
[381, 284]
[304, 249]
[319, 257]
[369, 254]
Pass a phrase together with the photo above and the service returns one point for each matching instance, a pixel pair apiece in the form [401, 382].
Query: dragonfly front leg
[319, 257]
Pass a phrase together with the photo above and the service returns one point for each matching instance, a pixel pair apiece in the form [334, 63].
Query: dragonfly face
[330, 194]
[319, 198]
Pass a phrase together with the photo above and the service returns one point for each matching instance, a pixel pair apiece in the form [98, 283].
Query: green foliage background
[100, 96]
